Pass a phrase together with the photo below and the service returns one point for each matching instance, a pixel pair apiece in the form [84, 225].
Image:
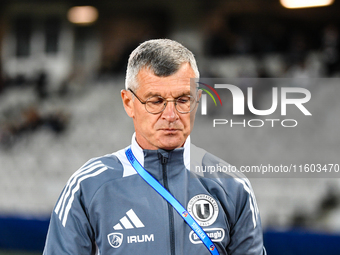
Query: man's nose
[170, 113]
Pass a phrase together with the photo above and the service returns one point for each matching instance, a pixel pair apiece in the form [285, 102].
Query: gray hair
[163, 56]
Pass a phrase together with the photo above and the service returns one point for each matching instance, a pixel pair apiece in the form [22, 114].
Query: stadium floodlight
[82, 15]
[295, 4]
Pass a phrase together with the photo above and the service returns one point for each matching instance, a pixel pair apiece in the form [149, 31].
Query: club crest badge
[115, 239]
[204, 209]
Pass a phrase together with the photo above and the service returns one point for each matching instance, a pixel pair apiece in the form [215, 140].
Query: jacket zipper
[164, 161]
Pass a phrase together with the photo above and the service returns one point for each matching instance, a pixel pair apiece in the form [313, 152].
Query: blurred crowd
[29, 121]
[18, 122]
[295, 45]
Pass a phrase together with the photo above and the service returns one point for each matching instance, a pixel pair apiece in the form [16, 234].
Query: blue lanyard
[173, 201]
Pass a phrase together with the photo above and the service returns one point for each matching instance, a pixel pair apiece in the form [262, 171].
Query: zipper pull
[163, 158]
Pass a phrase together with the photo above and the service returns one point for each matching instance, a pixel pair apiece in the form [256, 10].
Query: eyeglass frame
[166, 100]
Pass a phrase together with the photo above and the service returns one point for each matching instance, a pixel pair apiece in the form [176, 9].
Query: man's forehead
[171, 85]
[185, 82]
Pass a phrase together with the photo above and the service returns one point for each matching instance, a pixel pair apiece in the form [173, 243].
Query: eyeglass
[157, 104]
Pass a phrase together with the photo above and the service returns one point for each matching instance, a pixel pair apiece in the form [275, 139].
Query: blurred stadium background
[62, 70]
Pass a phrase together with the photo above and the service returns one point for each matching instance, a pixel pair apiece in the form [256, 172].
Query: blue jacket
[107, 208]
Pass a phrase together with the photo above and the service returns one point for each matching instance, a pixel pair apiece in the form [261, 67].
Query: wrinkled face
[168, 129]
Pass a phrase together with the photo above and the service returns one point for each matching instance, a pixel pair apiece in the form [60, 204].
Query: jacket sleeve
[70, 231]
[246, 232]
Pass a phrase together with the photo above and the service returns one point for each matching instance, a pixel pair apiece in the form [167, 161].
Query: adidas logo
[129, 221]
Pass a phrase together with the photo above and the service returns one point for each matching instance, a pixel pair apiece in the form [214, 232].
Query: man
[107, 208]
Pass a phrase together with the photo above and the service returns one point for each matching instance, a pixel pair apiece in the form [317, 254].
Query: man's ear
[199, 94]
[127, 102]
